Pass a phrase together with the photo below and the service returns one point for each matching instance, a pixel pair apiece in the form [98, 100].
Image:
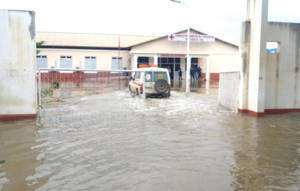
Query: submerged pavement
[110, 141]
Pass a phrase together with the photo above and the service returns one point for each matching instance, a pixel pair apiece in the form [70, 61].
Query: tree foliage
[39, 44]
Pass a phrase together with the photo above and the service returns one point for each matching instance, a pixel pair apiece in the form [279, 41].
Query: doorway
[172, 69]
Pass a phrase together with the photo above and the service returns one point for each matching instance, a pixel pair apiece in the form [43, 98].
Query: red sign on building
[172, 55]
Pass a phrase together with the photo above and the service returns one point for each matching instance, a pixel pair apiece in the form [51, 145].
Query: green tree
[39, 44]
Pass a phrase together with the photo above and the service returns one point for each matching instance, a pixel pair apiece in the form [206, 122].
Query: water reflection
[195, 84]
[267, 153]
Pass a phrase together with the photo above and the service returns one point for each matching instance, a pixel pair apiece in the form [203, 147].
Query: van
[157, 82]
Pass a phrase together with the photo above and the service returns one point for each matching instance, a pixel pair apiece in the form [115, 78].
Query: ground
[116, 141]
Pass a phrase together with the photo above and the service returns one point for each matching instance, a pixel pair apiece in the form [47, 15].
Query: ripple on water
[185, 142]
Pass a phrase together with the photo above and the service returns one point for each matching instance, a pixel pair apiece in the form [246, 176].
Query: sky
[221, 18]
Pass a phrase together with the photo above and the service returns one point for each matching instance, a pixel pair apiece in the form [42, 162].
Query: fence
[228, 89]
[67, 83]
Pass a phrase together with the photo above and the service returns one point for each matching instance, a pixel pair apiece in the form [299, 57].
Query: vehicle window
[137, 75]
[160, 75]
[148, 77]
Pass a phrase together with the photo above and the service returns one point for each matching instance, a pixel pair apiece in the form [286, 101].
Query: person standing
[200, 72]
[180, 74]
[192, 73]
[195, 73]
[169, 69]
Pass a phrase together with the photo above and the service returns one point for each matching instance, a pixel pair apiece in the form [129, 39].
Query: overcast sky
[221, 18]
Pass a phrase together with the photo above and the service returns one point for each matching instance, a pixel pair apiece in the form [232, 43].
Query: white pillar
[244, 66]
[207, 74]
[207, 86]
[155, 57]
[253, 58]
[134, 61]
[18, 95]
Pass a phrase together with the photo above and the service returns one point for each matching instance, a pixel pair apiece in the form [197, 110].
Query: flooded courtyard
[115, 141]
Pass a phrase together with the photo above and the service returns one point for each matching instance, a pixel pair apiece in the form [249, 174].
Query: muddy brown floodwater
[185, 142]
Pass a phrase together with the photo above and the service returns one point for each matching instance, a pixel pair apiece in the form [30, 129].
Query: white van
[157, 82]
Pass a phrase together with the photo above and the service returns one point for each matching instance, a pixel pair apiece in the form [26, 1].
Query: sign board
[172, 55]
[193, 38]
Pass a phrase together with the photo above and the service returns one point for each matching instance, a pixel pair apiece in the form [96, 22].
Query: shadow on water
[87, 140]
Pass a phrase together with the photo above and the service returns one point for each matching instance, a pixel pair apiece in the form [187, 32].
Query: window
[170, 60]
[66, 62]
[164, 60]
[41, 62]
[117, 63]
[148, 76]
[273, 47]
[137, 75]
[163, 75]
[193, 60]
[143, 60]
[90, 63]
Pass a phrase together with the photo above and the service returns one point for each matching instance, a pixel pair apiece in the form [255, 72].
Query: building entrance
[172, 69]
[172, 63]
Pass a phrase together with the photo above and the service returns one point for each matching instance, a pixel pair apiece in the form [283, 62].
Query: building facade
[98, 51]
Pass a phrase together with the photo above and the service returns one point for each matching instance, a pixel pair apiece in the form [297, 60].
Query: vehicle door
[135, 82]
[149, 82]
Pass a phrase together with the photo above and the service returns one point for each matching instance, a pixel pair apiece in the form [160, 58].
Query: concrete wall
[269, 82]
[283, 68]
[103, 58]
[17, 60]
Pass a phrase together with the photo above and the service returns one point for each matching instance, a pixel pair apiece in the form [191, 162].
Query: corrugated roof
[90, 40]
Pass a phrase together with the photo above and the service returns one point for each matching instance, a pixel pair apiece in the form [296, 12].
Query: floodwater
[110, 141]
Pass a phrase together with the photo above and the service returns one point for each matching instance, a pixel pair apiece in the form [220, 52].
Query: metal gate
[57, 85]
[228, 89]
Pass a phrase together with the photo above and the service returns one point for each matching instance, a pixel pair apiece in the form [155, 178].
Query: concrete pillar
[244, 65]
[207, 74]
[18, 95]
[134, 61]
[189, 76]
[252, 100]
[182, 66]
[155, 57]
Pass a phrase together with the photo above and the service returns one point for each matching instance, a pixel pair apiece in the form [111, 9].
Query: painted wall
[18, 96]
[222, 63]
[223, 56]
[163, 46]
[103, 58]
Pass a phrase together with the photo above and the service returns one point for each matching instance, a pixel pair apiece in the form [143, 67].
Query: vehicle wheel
[161, 86]
[137, 92]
